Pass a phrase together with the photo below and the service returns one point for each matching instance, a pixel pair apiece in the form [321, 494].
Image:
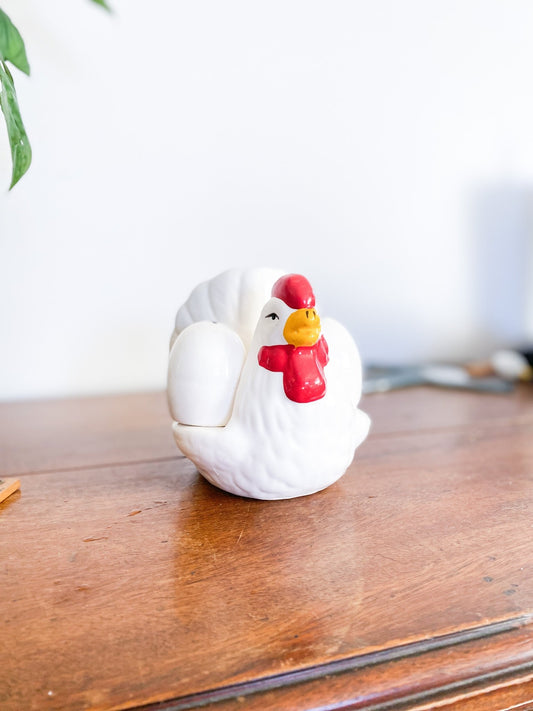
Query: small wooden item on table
[8, 487]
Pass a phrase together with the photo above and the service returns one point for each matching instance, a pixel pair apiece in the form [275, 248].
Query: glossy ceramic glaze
[270, 414]
[204, 368]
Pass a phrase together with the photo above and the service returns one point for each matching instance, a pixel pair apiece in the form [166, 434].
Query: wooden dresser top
[127, 581]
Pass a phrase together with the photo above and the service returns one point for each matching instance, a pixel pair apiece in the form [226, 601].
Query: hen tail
[234, 298]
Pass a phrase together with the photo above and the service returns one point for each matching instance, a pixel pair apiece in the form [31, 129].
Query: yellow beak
[302, 328]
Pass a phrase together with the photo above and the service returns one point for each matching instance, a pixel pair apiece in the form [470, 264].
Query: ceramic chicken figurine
[263, 393]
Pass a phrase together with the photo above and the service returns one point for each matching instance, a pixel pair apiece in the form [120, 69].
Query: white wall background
[384, 149]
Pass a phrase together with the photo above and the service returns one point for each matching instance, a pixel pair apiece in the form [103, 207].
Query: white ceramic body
[234, 298]
[271, 446]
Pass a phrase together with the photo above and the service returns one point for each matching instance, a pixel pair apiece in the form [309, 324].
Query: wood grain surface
[47, 435]
[129, 581]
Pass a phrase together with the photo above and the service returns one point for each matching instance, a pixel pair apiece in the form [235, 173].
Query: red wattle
[302, 368]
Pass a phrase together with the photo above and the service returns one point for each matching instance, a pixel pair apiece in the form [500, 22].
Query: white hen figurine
[269, 413]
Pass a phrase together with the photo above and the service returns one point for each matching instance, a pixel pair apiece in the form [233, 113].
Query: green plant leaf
[11, 45]
[18, 139]
[102, 3]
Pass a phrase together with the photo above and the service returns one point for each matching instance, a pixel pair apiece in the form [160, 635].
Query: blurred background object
[383, 149]
[381, 379]
[507, 363]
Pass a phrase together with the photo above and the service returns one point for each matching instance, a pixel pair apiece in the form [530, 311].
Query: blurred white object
[511, 364]
[293, 423]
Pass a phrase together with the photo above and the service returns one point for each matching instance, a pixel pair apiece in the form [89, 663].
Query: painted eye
[273, 316]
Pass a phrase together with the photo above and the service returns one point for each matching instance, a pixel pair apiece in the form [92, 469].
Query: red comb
[295, 291]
